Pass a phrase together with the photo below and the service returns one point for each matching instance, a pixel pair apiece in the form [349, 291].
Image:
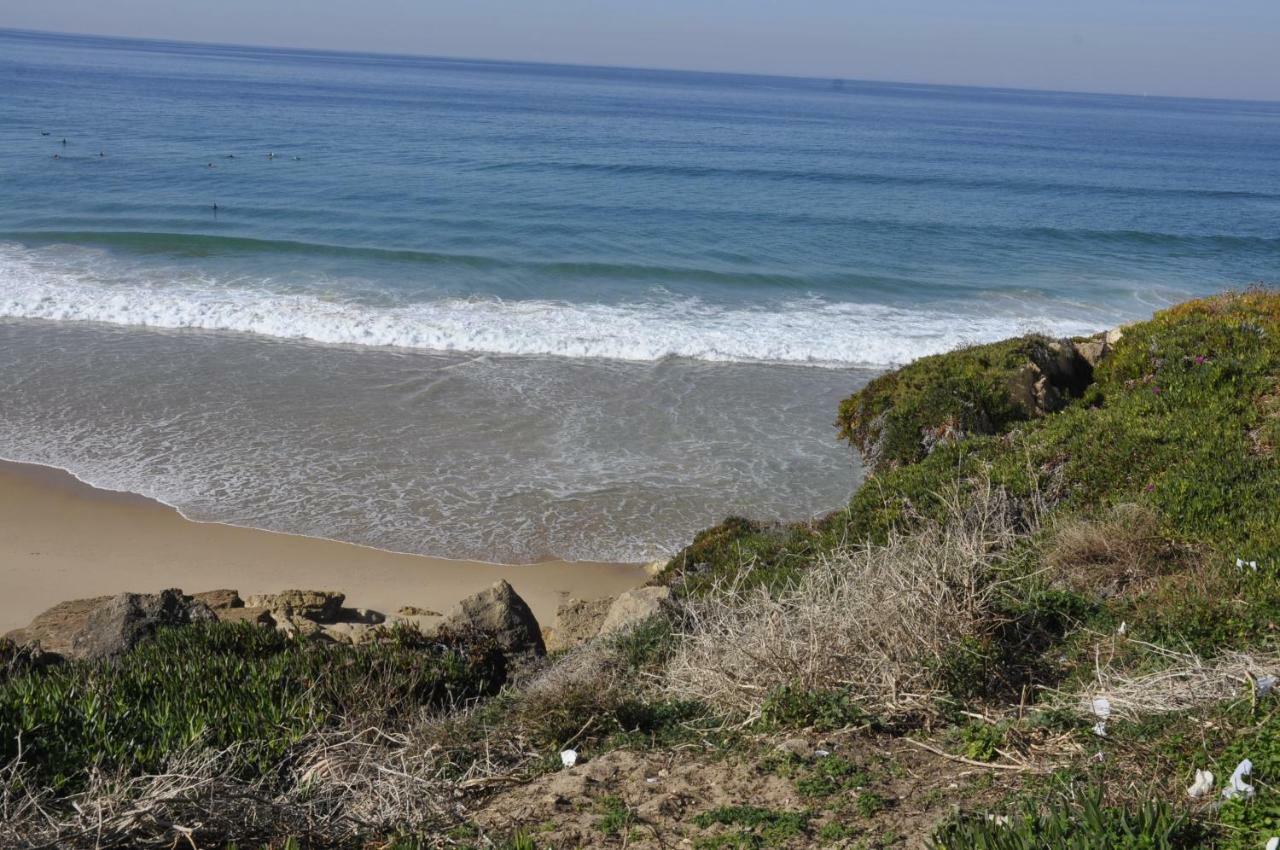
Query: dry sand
[63, 539]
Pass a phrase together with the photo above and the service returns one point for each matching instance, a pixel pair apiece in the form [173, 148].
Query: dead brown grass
[880, 621]
[1109, 555]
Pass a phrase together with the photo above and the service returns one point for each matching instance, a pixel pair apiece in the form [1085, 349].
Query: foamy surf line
[804, 331]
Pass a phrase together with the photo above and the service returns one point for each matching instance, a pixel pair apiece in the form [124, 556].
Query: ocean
[508, 311]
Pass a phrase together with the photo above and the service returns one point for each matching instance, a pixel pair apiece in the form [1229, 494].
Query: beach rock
[500, 612]
[319, 606]
[634, 607]
[55, 629]
[300, 627]
[244, 614]
[351, 633]
[104, 626]
[415, 611]
[122, 622]
[577, 621]
[219, 600]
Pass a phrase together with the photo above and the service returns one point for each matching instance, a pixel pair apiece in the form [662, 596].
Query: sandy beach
[63, 539]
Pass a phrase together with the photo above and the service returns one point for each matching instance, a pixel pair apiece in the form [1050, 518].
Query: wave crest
[809, 331]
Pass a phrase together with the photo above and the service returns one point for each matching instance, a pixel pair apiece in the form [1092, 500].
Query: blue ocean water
[627, 227]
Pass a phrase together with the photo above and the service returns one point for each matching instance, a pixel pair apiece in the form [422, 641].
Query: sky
[1206, 48]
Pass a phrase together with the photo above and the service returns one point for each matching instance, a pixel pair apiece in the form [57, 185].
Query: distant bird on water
[64, 141]
[43, 133]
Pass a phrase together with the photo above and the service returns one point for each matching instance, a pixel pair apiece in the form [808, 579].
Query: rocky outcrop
[105, 626]
[416, 611]
[577, 621]
[318, 606]
[500, 612]
[244, 614]
[55, 629]
[632, 608]
[219, 600]
[1051, 377]
[123, 621]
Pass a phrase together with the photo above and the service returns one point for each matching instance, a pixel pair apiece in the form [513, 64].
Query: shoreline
[62, 538]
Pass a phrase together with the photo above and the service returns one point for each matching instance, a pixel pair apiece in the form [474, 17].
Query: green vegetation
[751, 827]
[899, 417]
[224, 686]
[1090, 826]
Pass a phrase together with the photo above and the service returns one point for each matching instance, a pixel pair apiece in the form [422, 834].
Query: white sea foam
[37, 284]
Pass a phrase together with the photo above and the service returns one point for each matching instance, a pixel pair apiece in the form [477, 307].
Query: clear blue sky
[1215, 48]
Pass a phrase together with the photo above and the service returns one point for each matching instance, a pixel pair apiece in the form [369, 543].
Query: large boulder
[577, 621]
[219, 600]
[245, 614]
[106, 626]
[632, 608]
[55, 629]
[318, 606]
[122, 622]
[501, 613]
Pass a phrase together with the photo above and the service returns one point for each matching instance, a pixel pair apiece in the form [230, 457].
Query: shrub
[872, 621]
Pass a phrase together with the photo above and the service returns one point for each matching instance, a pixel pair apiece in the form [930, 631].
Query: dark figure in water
[211, 165]
[64, 141]
[101, 154]
[43, 133]
[55, 156]
[230, 156]
[215, 209]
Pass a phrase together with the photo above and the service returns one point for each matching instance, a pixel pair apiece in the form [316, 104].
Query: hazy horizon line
[644, 68]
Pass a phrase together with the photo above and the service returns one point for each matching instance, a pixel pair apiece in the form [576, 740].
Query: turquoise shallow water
[640, 292]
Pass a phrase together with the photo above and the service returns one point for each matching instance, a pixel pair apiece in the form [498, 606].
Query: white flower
[569, 758]
[1102, 707]
[1123, 626]
[1239, 563]
[1265, 684]
[1273, 843]
[1203, 784]
[1003, 820]
[1236, 786]
[1100, 728]
[1253, 565]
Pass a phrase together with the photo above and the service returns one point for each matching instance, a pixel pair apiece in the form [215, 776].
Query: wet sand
[63, 539]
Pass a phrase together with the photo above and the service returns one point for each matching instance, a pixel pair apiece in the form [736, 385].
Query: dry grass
[337, 787]
[1183, 681]
[879, 621]
[1107, 555]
